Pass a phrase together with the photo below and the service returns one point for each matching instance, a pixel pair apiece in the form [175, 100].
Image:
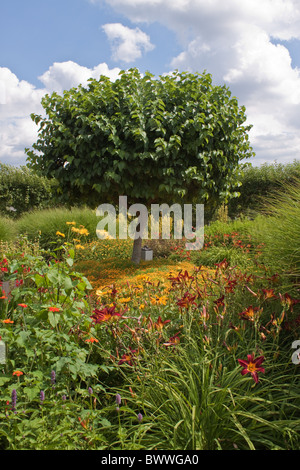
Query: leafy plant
[143, 137]
[21, 190]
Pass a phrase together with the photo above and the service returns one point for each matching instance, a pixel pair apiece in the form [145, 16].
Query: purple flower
[42, 396]
[140, 417]
[14, 399]
[90, 391]
[118, 399]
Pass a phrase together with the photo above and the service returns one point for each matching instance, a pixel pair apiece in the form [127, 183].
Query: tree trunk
[137, 251]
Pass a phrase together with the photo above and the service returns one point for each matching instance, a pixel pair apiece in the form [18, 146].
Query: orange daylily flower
[7, 321]
[23, 305]
[91, 340]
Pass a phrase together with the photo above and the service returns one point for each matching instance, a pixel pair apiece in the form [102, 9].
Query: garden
[190, 351]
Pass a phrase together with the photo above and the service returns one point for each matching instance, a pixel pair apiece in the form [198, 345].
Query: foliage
[173, 138]
[21, 190]
[45, 224]
[280, 232]
[258, 183]
[162, 355]
[8, 229]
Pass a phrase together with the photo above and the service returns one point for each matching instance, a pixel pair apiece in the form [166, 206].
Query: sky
[251, 46]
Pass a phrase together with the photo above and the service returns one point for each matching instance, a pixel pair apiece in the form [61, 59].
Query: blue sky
[252, 46]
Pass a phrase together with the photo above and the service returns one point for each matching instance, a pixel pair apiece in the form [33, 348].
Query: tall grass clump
[47, 222]
[8, 229]
[280, 232]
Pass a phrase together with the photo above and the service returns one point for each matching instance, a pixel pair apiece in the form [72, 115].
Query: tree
[176, 138]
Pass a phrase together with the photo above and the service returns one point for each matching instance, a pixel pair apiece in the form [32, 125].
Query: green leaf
[53, 319]
[31, 392]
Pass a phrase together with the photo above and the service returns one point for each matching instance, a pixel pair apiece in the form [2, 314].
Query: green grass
[45, 223]
[280, 233]
[8, 229]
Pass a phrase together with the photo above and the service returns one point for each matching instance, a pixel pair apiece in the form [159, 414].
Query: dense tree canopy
[151, 139]
[168, 139]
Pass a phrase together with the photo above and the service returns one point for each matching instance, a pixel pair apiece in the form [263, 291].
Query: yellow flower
[71, 223]
[159, 300]
[125, 300]
[79, 247]
[83, 231]
[142, 306]
[60, 234]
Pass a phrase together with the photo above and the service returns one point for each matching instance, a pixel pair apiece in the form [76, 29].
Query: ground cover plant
[175, 354]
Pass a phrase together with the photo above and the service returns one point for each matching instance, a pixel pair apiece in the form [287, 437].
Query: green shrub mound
[21, 190]
[258, 183]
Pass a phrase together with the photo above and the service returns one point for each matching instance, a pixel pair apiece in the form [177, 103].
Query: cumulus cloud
[65, 75]
[19, 98]
[237, 42]
[127, 44]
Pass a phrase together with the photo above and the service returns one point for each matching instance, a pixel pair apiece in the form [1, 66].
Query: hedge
[21, 190]
[259, 183]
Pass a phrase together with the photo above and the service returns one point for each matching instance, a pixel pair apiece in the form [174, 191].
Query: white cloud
[20, 98]
[127, 44]
[65, 75]
[235, 41]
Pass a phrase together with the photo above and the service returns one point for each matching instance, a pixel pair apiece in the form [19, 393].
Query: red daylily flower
[268, 293]
[286, 299]
[186, 301]
[127, 357]
[223, 265]
[219, 302]
[160, 324]
[252, 366]
[181, 278]
[23, 305]
[105, 314]
[173, 341]
[251, 313]
[230, 286]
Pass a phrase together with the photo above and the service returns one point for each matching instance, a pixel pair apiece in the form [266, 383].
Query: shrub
[258, 183]
[22, 190]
